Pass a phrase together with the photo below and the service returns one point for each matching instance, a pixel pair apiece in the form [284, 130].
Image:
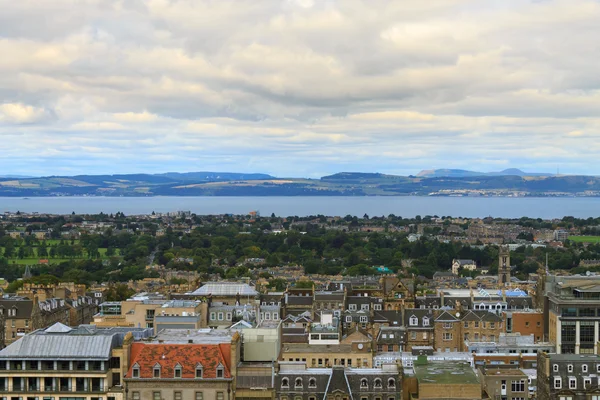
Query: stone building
[81, 363]
[568, 376]
[182, 371]
[296, 382]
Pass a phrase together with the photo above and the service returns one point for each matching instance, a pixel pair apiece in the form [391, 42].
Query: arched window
[391, 383]
[312, 383]
[363, 383]
[377, 383]
[298, 383]
[285, 383]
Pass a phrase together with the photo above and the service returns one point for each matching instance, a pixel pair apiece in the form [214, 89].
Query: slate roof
[390, 317]
[23, 307]
[188, 356]
[338, 382]
[398, 332]
[55, 344]
[481, 315]
[420, 314]
[329, 296]
[446, 317]
[299, 300]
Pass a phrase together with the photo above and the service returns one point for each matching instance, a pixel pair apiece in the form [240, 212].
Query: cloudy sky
[299, 87]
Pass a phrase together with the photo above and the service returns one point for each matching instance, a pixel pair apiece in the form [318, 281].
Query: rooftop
[459, 373]
[204, 336]
[225, 289]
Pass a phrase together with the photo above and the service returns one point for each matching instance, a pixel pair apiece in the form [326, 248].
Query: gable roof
[446, 317]
[188, 356]
[338, 382]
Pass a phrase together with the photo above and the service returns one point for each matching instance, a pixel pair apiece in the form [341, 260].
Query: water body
[542, 207]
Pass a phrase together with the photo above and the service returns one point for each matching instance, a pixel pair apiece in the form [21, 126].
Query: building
[504, 266]
[419, 328]
[181, 371]
[466, 265]
[83, 363]
[525, 322]
[568, 376]
[295, 381]
[430, 380]
[572, 313]
[504, 382]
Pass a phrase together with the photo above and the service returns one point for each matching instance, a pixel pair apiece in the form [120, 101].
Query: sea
[405, 206]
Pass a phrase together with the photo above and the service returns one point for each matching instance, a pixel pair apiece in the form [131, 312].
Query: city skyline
[298, 88]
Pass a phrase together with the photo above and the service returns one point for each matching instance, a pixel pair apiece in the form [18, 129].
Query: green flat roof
[446, 372]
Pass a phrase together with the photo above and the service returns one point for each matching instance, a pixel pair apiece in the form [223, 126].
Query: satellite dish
[360, 346]
[457, 315]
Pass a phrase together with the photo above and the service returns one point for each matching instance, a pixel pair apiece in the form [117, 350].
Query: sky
[299, 88]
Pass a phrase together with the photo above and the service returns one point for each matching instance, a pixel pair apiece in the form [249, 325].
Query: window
[213, 316]
[466, 324]
[228, 316]
[157, 371]
[298, 383]
[555, 367]
[424, 335]
[377, 307]
[363, 383]
[156, 396]
[220, 316]
[517, 386]
[220, 371]
[352, 307]
[391, 383]
[447, 336]
[275, 316]
[312, 383]
[364, 319]
[220, 396]
[135, 395]
[425, 321]
[199, 396]
[413, 321]
[587, 382]
[572, 383]
[199, 371]
[584, 368]
[364, 307]
[447, 325]
[570, 367]
[348, 319]
[476, 324]
[413, 335]
[177, 371]
[135, 372]
[492, 325]
[377, 383]
[557, 383]
[285, 383]
[177, 395]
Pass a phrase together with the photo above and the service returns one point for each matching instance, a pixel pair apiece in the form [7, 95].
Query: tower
[504, 266]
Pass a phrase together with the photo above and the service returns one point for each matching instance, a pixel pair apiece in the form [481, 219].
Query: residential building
[428, 380]
[568, 376]
[504, 382]
[294, 381]
[182, 371]
[466, 265]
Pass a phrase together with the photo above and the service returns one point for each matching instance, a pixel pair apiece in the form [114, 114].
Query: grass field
[35, 260]
[585, 239]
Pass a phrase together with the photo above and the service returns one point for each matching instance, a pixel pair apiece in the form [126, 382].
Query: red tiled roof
[147, 355]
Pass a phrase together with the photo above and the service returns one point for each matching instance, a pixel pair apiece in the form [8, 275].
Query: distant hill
[458, 173]
[449, 183]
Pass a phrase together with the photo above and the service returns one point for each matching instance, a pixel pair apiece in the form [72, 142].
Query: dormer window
[377, 383]
[220, 371]
[413, 321]
[425, 321]
[570, 367]
[391, 383]
[298, 383]
[285, 383]
[199, 370]
[364, 384]
[177, 371]
[135, 371]
[312, 383]
[156, 371]
[584, 368]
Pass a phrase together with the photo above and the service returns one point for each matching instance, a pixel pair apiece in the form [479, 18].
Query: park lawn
[585, 239]
[35, 261]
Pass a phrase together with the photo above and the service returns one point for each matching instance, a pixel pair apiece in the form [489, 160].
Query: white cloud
[297, 86]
